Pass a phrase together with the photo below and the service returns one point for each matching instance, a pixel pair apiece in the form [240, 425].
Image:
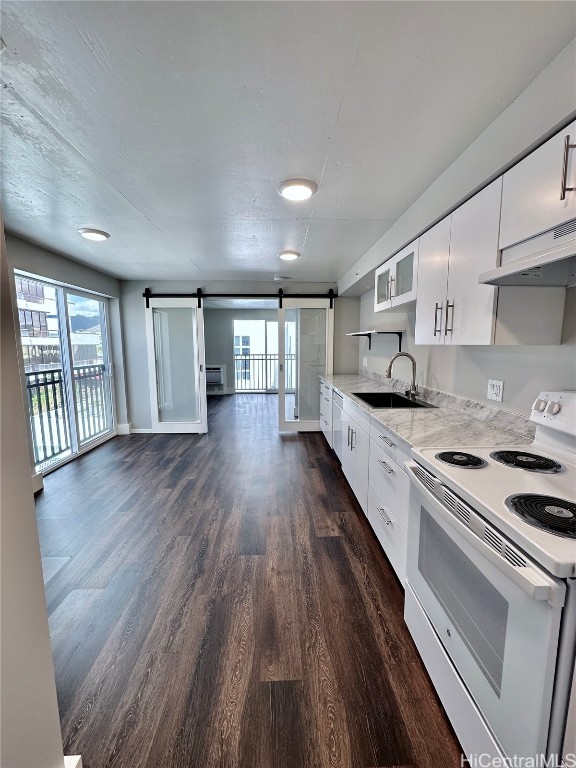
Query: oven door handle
[532, 581]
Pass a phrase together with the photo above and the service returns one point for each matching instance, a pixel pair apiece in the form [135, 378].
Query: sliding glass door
[175, 334]
[66, 365]
[92, 392]
[305, 344]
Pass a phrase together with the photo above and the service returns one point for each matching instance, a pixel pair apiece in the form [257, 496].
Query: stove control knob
[553, 408]
[539, 405]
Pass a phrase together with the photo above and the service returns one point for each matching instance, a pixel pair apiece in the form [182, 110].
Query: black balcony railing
[259, 373]
[48, 412]
[48, 409]
[93, 412]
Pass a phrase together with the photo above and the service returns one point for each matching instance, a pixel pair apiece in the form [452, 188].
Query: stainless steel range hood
[547, 260]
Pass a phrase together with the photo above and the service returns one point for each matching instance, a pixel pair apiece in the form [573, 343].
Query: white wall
[346, 320]
[465, 371]
[40, 262]
[29, 721]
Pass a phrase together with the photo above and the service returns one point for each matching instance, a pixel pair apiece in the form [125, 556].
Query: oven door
[498, 620]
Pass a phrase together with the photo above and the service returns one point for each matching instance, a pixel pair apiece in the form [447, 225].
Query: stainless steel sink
[390, 400]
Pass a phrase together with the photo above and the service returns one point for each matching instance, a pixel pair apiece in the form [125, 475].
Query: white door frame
[196, 427]
[287, 303]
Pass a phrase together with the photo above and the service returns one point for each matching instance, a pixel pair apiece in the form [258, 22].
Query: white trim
[123, 429]
[142, 431]
[304, 303]
[188, 427]
[73, 761]
[37, 482]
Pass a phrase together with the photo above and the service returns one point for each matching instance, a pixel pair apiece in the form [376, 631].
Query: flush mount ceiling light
[94, 234]
[289, 255]
[297, 189]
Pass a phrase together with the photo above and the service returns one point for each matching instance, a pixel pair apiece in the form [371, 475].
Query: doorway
[258, 348]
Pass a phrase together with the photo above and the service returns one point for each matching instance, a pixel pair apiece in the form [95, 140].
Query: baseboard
[74, 761]
[37, 483]
[141, 431]
[123, 429]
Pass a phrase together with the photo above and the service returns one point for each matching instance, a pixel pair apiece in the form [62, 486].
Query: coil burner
[524, 460]
[549, 513]
[460, 459]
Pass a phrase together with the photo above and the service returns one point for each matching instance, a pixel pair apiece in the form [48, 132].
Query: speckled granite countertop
[443, 426]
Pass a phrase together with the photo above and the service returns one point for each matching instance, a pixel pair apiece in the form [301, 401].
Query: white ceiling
[170, 124]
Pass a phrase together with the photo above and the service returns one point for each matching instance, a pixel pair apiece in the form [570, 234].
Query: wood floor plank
[278, 607]
[222, 603]
[51, 566]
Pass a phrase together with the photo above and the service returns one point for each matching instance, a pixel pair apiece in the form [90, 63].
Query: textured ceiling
[171, 124]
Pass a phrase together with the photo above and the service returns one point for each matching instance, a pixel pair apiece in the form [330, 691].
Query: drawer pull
[388, 442]
[386, 467]
[383, 516]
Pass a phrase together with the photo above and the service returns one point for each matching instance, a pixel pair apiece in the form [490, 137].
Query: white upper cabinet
[534, 196]
[453, 308]
[434, 252]
[396, 279]
[470, 311]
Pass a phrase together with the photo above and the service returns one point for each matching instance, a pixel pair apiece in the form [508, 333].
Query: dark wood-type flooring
[219, 601]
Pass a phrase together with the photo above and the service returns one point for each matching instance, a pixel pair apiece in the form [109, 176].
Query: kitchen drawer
[326, 401]
[357, 414]
[389, 443]
[389, 532]
[391, 482]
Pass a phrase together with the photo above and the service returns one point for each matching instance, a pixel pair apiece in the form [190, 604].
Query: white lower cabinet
[391, 482]
[337, 416]
[355, 454]
[372, 461]
[388, 530]
[326, 411]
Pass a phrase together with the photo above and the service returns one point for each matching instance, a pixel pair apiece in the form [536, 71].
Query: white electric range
[491, 584]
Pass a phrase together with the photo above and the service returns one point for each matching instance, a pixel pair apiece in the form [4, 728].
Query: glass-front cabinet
[396, 279]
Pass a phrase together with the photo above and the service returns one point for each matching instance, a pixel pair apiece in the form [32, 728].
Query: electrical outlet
[365, 362]
[495, 389]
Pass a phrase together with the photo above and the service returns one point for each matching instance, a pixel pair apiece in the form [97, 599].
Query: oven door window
[474, 606]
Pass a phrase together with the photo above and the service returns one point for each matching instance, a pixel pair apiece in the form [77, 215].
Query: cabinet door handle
[352, 433]
[383, 516]
[436, 308]
[564, 188]
[391, 286]
[386, 467]
[449, 306]
[388, 442]
[348, 443]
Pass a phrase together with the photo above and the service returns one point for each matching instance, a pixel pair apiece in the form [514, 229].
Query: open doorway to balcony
[241, 342]
[65, 354]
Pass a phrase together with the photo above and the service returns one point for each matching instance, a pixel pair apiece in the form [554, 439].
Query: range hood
[547, 260]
